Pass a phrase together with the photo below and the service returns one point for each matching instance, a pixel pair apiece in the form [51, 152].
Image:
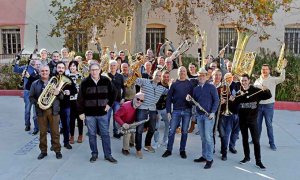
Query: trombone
[227, 112]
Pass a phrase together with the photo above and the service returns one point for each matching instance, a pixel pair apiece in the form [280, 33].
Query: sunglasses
[138, 99]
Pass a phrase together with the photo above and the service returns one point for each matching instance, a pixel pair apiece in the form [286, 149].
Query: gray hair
[94, 64]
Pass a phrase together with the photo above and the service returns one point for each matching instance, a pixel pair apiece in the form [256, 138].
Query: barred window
[77, 41]
[153, 37]
[292, 40]
[225, 36]
[11, 41]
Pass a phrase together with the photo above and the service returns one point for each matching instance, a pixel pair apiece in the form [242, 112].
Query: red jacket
[126, 113]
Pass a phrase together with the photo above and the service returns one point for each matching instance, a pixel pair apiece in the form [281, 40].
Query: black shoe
[125, 152]
[118, 136]
[245, 160]
[208, 164]
[260, 165]
[27, 128]
[233, 150]
[167, 153]
[35, 132]
[199, 160]
[61, 131]
[58, 155]
[68, 146]
[183, 154]
[42, 155]
[111, 159]
[131, 144]
[93, 159]
[51, 148]
[224, 157]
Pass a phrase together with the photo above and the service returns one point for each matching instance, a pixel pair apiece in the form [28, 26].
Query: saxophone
[243, 62]
[281, 59]
[135, 69]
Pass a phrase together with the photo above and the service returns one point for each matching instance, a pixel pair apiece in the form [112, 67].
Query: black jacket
[92, 98]
[35, 91]
[118, 84]
[65, 103]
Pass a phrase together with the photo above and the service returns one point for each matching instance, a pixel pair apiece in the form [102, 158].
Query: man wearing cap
[207, 96]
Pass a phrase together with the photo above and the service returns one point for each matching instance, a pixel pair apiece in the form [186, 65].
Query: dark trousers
[142, 114]
[252, 126]
[54, 127]
[73, 116]
[65, 121]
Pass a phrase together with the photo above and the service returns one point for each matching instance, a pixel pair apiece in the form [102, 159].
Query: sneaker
[149, 149]
[199, 160]
[273, 147]
[35, 132]
[41, 156]
[232, 150]
[68, 146]
[117, 136]
[245, 160]
[27, 128]
[167, 153]
[183, 154]
[58, 155]
[125, 152]
[111, 159]
[156, 145]
[260, 166]
[139, 154]
[224, 157]
[197, 133]
[93, 159]
[208, 164]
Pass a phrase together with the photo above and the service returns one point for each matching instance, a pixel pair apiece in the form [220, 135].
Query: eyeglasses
[138, 99]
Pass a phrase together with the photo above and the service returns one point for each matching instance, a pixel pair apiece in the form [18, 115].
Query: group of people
[162, 90]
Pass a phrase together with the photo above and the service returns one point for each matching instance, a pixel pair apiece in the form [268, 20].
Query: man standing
[53, 62]
[94, 99]
[266, 107]
[47, 117]
[182, 111]
[248, 109]
[125, 116]
[207, 96]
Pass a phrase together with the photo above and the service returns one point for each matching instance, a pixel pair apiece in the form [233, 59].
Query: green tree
[81, 14]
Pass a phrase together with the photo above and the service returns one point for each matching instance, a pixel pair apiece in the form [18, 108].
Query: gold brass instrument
[105, 58]
[281, 59]
[130, 60]
[135, 71]
[243, 62]
[128, 25]
[254, 93]
[83, 69]
[227, 94]
[47, 97]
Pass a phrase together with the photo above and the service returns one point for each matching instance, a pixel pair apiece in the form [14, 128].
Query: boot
[71, 139]
[80, 139]
[192, 127]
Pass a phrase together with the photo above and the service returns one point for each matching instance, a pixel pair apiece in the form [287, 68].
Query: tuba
[47, 97]
[243, 62]
[280, 62]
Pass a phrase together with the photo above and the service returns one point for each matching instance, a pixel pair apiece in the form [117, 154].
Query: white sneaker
[156, 145]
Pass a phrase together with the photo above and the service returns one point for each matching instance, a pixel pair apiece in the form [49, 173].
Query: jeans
[226, 130]
[234, 136]
[65, 121]
[28, 111]
[114, 108]
[266, 111]
[252, 126]
[142, 114]
[205, 127]
[164, 116]
[177, 117]
[92, 122]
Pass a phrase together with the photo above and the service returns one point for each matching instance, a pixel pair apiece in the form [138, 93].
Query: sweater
[93, 98]
[177, 95]
[126, 113]
[118, 84]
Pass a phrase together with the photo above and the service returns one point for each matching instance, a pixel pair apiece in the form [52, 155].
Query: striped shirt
[152, 93]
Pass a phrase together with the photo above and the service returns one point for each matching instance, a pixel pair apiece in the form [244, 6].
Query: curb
[279, 105]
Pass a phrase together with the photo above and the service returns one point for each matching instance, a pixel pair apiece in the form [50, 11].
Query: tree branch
[159, 4]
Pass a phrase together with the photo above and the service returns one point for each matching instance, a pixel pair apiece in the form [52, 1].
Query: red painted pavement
[279, 105]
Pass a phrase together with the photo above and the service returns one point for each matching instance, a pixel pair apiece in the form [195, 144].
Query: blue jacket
[207, 96]
[19, 69]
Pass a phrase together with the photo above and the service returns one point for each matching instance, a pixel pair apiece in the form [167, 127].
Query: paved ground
[19, 151]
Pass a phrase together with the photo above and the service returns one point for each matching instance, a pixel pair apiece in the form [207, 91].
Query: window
[77, 41]
[225, 36]
[153, 37]
[292, 39]
[11, 41]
